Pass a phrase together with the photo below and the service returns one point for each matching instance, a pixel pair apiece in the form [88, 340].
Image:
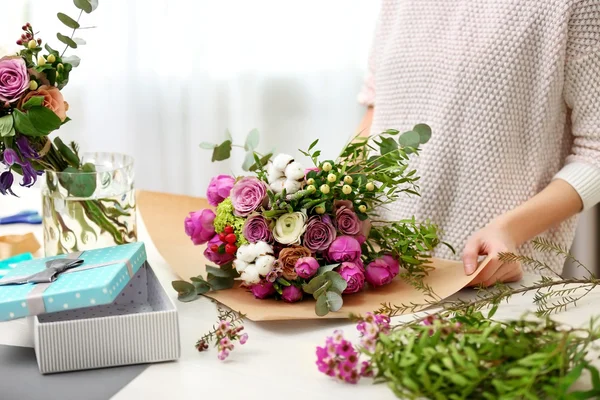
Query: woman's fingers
[471, 254]
[487, 273]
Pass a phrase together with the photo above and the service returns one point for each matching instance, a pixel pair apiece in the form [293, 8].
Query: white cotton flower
[273, 173]
[264, 264]
[281, 161]
[250, 275]
[292, 187]
[277, 186]
[262, 248]
[247, 253]
[240, 265]
[294, 171]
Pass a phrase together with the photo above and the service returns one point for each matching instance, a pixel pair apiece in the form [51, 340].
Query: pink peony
[306, 267]
[218, 257]
[263, 290]
[353, 275]
[382, 270]
[344, 248]
[219, 189]
[199, 226]
[291, 294]
[14, 79]
[247, 195]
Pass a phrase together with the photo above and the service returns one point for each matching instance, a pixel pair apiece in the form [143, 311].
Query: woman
[511, 90]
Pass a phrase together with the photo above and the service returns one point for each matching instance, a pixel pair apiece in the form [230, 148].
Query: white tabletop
[278, 357]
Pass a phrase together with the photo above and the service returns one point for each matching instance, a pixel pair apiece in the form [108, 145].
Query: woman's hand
[491, 240]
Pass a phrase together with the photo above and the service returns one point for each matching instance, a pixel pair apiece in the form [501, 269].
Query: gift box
[108, 310]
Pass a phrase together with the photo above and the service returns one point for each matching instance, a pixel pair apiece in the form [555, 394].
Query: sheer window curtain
[159, 77]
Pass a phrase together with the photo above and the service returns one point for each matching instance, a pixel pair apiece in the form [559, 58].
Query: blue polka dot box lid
[75, 280]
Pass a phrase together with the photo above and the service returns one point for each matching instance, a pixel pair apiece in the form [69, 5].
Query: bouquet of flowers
[288, 231]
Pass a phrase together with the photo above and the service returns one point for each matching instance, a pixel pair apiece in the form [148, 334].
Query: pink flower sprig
[340, 359]
[225, 333]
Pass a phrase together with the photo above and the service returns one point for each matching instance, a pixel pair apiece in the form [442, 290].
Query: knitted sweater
[511, 89]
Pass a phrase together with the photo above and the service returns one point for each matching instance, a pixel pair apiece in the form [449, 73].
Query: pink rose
[382, 270]
[353, 275]
[344, 249]
[199, 226]
[218, 256]
[263, 290]
[319, 233]
[219, 189]
[247, 195]
[347, 221]
[53, 100]
[14, 79]
[291, 294]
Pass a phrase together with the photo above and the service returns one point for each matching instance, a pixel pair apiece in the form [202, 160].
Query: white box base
[140, 326]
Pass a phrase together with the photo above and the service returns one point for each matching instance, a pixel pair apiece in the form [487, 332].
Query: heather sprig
[224, 333]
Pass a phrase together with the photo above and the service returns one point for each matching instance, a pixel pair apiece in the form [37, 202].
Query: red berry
[222, 236]
[230, 248]
[19, 42]
[28, 25]
[24, 27]
[231, 238]
[23, 37]
[39, 41]
[229, 229]
[29, 36]
[214, 247]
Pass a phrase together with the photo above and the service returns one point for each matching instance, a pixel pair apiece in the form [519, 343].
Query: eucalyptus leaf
[66, 40]
[410, 139]
[314, 284]
[187, 296]
[68, 21]
[79, 41]
[207, 146]
[221, 283]
[217, 272]
[337, 282]
[321, 307]
[388, 145]
[334, 301]
[252, 140]
[182, 286]
[7, 126]
[94, 4]
[222, 151]
[327, 268]
[201, 287]
[424, 132]
[248, 161]
[84, 5]
[73, 60]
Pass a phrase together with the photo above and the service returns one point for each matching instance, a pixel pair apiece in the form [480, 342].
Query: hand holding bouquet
[290, 231]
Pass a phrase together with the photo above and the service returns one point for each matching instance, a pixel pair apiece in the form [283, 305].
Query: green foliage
[216, 279]
[66, 40]
[7, 126]
[472, 356]
[37, 121]
[222, 151]
[327, 288]
[33, 101]
[68, 21]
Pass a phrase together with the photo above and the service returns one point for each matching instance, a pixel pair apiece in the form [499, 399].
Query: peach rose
[53, 100]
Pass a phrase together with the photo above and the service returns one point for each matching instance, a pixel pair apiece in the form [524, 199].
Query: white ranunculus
[289, 227]
[294, 171]
[277, 186]
[250, 275]
[247, 253]
[281, 161]
[273, 173]
[262, 248]
[240, 265]
[264, 264]
[292, 187]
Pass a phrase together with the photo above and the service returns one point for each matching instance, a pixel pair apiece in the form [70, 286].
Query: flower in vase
[25, 148]
[6, 181]
[289, 227]
[219, 189]
[199, 226]
[14, 79]
[247, 195]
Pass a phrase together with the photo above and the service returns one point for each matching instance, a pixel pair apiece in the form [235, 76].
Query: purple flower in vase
[30, 175]
[6, 181]
[11, 157]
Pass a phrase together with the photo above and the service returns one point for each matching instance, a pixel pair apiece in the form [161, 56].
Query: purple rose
[199, 226]
[219, 188]
[14, 79]
[344, 248]
[306, 267]
[291, 294]
[263, 290]
[382, 270]
[353, 275]
[215, 253]
[319, 233]
[347, 221]
[256, 229]
[247, 195]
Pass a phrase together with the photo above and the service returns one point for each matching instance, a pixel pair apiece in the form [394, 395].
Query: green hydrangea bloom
[225, 217]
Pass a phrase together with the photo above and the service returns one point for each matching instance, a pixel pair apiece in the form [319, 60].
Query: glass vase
[90, 210]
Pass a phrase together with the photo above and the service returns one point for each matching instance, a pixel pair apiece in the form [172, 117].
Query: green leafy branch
[216, 279]
[327, 288]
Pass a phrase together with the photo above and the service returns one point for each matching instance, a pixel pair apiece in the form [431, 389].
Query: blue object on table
[24, 217]
[8, 264]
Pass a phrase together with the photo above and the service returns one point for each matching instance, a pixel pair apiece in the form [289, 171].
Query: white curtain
[158, 77]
